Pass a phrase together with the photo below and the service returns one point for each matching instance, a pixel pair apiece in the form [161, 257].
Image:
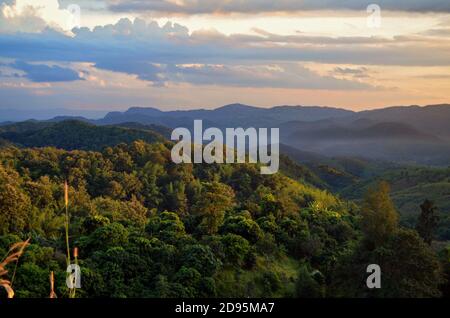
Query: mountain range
[406, 134]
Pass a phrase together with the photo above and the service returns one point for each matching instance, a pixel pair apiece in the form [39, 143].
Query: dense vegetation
[146, 227]
[72, 134]
[352, 177]
[409, 187]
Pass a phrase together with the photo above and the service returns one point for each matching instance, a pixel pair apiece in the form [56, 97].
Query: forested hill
[146, 227]
[80, 135]
[165, 230]
[410, 186]
[72, 134]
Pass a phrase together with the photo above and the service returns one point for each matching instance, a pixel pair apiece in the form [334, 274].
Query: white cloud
[36, 15]
[24, 21]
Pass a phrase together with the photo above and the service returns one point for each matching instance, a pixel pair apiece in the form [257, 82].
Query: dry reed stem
[52, 286]
[14, 253]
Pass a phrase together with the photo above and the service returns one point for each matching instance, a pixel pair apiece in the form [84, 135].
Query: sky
[103, 55]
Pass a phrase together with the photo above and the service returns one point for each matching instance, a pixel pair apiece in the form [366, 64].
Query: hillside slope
[410, 187]
[73, 134]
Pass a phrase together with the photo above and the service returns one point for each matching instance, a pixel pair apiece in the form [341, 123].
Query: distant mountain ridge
[409, 134]
[431, 120]
[401, 134]
[226, 116]
[375, 131]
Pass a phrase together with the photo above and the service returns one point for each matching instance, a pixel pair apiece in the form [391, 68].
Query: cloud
[84, 4]
[257, 6]
[437, 32]
[161, 55]
[26, 20]
[36, 15]
[256, 76]
[350, 71]
[144, 70]
[356, 73]
[41, 73]
[129, 43]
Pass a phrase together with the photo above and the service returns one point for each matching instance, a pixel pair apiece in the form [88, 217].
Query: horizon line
[104, 113]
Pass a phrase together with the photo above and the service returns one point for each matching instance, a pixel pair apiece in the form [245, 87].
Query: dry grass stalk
[66, 193]
[52, 286]
[6, 284]
[67, 223]
[14, 253]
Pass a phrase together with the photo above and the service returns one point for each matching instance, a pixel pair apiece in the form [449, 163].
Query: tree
[309, 285]
[270, 205]
[236, 249]
[379, 217]
[120, 211]
[190, 279]
[15, 204]
[175, 197]
[244, 226]
[200, 258]
[167, 226]
[410, 268]
[428, 221]
[110, 235]
[215, 200]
